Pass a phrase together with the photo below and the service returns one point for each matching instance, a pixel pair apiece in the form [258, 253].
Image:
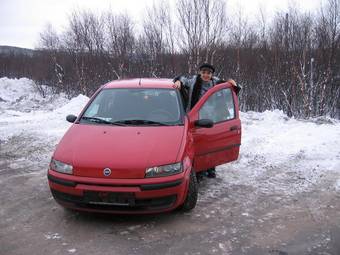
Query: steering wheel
[161, 112]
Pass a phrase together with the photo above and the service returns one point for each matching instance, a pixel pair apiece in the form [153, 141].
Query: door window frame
[193, 114]
[232, 97]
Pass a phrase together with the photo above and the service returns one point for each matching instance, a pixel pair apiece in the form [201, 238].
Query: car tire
[192, 194]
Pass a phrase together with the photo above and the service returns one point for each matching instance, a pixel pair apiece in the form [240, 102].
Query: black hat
[207, 66]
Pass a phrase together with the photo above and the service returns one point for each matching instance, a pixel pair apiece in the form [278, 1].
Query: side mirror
[205, 123]
[71, 118]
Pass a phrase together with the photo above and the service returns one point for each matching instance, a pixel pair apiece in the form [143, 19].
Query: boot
[211, 172]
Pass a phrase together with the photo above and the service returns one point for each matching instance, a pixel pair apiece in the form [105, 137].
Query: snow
[21, 95]
[52, 236]
[24, 112]
[278, 154]
[337, 185]
[288, 155]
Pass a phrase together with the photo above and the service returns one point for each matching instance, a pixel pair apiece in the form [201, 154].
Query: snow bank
[275, 136]
[286, 154]
[24, 112]
[22, 95]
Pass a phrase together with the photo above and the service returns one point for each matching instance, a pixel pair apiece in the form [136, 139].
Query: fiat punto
[136, 149]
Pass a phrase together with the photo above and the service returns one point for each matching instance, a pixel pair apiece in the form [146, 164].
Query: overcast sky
[21, 21]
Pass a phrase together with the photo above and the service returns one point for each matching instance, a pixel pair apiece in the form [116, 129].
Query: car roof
[141, 83]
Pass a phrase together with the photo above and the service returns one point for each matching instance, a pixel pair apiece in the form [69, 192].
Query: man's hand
[177, 85]
[232, 82]
[237, 87]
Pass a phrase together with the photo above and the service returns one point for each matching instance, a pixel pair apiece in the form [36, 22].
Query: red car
[135, 149]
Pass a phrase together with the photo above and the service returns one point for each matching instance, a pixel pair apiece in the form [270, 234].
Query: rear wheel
[192, 194]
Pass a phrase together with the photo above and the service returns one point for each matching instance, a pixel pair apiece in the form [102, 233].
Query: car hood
[127, 150]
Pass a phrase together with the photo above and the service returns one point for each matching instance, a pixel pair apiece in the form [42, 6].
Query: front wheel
[192, 194]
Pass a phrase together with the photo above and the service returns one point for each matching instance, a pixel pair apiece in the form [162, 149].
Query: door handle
[232, 128]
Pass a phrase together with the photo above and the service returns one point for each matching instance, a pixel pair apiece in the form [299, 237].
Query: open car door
[220, 143]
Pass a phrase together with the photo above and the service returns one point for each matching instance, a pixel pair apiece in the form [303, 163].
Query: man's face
[206, 74]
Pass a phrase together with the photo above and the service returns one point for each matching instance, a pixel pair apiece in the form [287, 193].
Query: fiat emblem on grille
[107, 171]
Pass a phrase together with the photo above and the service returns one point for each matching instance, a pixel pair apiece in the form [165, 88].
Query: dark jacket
[191, 88]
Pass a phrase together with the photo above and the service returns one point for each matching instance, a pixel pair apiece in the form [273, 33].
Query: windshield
[134, 107]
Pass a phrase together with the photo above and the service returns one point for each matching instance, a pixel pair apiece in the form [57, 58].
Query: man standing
[194, 87]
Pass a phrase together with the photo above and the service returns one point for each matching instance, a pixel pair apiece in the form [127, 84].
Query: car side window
[219, 106]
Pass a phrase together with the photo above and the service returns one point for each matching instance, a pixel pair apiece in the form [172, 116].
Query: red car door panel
[219, 144]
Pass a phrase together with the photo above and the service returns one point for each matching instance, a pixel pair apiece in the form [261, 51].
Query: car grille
[114, 201]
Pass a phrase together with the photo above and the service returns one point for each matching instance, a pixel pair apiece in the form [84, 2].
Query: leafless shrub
[292, 63]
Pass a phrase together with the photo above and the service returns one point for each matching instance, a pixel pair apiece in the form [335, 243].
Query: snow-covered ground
[274, 148]
[282, 148]
[25, 112]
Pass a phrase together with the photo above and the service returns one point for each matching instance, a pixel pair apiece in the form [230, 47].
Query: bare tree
[191, 18]
[238, 34]
[50, 41]
[216, 27]
[120, 41]
[328, 41]
[158, 38]
[203, 28]
[49, 38]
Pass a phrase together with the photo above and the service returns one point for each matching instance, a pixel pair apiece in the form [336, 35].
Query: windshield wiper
[141, 122]
[99, 120]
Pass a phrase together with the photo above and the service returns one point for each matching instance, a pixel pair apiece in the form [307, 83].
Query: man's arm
[180, 81]
[236, 86]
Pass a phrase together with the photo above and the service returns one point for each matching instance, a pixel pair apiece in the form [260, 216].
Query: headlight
[165, 170]
[61, 167]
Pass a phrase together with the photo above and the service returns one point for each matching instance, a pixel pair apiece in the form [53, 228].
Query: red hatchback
[135, 149]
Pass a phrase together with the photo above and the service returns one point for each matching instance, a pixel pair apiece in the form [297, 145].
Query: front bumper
[149, 195]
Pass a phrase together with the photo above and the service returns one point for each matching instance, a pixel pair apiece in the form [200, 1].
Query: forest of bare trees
[287, 60]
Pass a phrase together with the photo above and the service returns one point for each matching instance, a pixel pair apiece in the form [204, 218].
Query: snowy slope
[287, 155]
[278, 154]
[25, 112]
